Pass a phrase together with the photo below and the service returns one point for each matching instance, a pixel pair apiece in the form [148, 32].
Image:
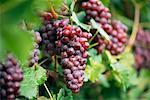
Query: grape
[115, 29]
[10, 77]
[118, 38]
[74, 44]
[95, 9]
[142, 49]
[35, 52]
[48, 32]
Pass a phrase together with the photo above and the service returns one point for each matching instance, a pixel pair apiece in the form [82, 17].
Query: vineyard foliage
[74, 54]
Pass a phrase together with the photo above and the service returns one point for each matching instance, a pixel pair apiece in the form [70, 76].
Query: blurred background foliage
[107, 77]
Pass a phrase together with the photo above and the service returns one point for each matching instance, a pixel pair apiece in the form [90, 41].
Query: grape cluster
[96, 10]
[142, 49]
[118, 38]
[73, 43]
[48, 32]
[10, 78]
[35, 53]
[116, 30]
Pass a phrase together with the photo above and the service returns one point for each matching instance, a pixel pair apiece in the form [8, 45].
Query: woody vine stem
[135, 26]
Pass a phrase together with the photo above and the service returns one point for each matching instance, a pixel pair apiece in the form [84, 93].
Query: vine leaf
[29, 86]
[95, 25]
[121, 74]
[61, 94]
[92, 52]
[105, 2]
[82, 25]
[40, 74]
[94, 69]
[81, 16]
[72, 6]
[68, 2]
[32, 79]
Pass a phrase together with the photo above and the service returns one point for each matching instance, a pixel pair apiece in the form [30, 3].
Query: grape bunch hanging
[71, 44]
[142, 49]
[10, 77]
[115, 29]
[74, 44]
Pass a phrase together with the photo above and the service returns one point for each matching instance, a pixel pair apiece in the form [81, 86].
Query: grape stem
[48, 91]
[93, 45]
[93, 37]
[54, 14]
[43, 61]
[135, 26]
[65, 6]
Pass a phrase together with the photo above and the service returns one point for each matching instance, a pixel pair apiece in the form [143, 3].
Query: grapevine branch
[51, 98]
[135, 26]
[43, 61]
[54, 14]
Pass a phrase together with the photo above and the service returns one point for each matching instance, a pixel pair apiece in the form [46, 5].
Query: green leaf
[94, 69]
[12, 8]
[56, 4]
[29, 85]
[104, 81]
[68, 2]
[32, 78]
[92, 52]
[16, 40]
[82, 25]
[100, 30]
[68, 94]
[105, 2]
[123, 58]
[108, 59]
[40, 73]
[72, 6]
[61, 94]
[41, 5]
[121, 74]
[81, 16]
[145, 13]
[145, 74]
[2, 48]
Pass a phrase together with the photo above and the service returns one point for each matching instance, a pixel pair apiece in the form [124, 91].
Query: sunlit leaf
[81, 16]
[100, 30]
[72, 6]
[29, 85]
[105, 2]
[40, 73]
[61, 94]
[82, 25]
